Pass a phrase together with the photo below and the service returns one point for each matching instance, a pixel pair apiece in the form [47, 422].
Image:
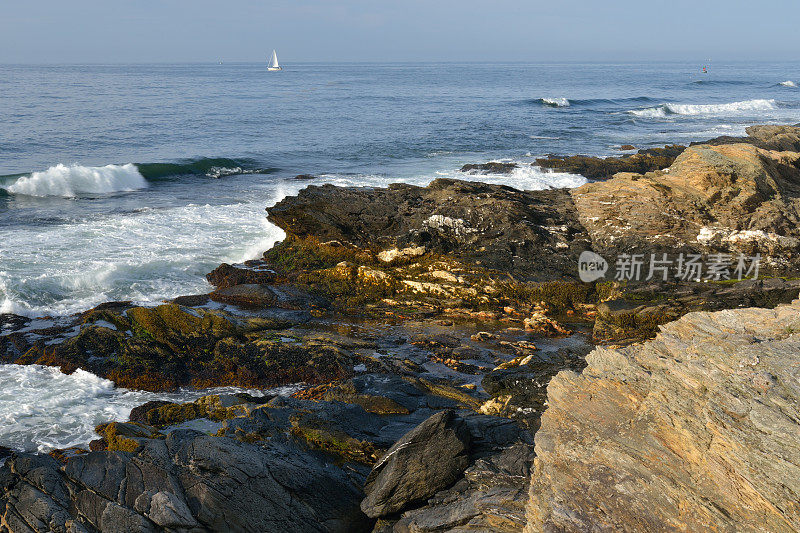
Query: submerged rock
[493, 167]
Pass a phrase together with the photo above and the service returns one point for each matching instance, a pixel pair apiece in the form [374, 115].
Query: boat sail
[273, 62]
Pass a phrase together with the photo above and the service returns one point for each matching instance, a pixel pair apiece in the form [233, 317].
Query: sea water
[131, 182]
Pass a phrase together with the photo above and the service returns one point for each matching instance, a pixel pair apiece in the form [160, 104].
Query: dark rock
[523, 233]
[599, 168]
[428, 458]
[490, 168]
[259, 296]
[490, 497]
[194, 300]
[226, 275]
[139, 413]
[305, 177]
[10, 323]
[5, 452]
[188, 482]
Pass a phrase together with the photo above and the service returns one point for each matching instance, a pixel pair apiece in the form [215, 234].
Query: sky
[117, 31]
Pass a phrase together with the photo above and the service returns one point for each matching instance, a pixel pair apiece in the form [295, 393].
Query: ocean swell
[74, 180]
[211, 167]
[732, 108]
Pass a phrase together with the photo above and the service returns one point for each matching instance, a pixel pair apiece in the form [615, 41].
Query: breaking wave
[73, 180]
[210, 167]
[554, 102]
[529, 177]
[42, 408]
[788, 83]
[733, 108]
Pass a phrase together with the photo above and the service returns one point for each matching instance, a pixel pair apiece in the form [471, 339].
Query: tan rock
[394, 253]
[696, 430]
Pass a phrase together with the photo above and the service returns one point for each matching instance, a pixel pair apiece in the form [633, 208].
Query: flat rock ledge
[696, 430]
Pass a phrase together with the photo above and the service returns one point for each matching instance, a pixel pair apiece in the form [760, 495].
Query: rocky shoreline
[424, 325]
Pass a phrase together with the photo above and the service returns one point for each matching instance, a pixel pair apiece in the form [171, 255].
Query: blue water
[213, 145]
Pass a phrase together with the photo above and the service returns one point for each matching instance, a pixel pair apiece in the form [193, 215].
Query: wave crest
[555, 102]
[732, 108]
[788, 83]
[72, 180]
[217, 167]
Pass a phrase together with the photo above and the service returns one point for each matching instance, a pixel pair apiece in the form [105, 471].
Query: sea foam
[42, 408]
[531, 178]
[73, 180]
[732, 108]
[555, 102]
[788, 83]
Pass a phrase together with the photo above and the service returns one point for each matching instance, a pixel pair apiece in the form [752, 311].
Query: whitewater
[731, 108]
[42, 409]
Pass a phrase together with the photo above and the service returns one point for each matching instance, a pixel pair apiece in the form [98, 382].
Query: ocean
[131, 182]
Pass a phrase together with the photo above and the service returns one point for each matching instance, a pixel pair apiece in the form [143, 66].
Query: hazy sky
[50, 31]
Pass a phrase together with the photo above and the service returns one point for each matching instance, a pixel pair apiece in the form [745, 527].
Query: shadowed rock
[189, 481]
[428, 458]
[489, 168]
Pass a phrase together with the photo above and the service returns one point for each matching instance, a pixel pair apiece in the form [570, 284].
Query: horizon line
[396, 62]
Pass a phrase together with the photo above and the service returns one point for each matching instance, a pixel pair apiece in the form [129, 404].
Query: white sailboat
[272, 64]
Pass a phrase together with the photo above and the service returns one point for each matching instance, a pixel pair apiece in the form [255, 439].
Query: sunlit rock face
[696, 430]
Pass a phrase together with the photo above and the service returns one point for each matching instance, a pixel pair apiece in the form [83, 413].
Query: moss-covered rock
[125, 436]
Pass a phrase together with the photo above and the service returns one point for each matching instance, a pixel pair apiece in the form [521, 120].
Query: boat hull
[274, 68]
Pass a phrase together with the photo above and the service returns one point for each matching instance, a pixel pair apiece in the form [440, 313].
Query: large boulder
[524, 232]
[696, 430]
[428, 458]
[733, 198]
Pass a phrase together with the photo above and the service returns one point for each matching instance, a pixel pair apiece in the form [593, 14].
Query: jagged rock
[254, 272]
[769, 137]
[189, 481]
[425, 460]
[522, 232]
[491, 497]
[259, 296]
[727, 198]
[600, 168]
[493, 167]
[735, 198]
[695, 430]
